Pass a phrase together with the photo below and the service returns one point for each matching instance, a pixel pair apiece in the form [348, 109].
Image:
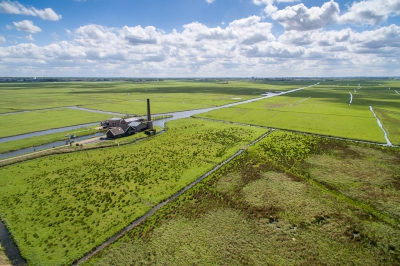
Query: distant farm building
[120, 127]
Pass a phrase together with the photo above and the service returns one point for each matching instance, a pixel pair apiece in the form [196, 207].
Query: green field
[130, 97]
[325, 109]
[268, 207]
[292, 199]
[21, 123]
[60, 207]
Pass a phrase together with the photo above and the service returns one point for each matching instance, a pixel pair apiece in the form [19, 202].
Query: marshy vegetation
[269, 206]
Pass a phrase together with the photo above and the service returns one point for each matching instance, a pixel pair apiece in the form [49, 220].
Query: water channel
[47, 146]
[11, 249]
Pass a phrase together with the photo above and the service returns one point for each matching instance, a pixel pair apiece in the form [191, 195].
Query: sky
[199, 38]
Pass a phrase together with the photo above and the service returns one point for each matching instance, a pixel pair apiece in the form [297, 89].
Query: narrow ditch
[388, 143]
[10, 249]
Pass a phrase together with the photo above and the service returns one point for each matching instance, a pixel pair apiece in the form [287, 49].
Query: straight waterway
[47, 146]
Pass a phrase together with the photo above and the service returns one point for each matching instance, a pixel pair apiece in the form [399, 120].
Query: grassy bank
[22, 123]
[40, 140]
[267, 208]
[73, 148]
[3, 258]
[60, 207]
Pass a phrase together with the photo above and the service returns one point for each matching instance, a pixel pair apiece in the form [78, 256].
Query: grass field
[325, 109]
[129, 97]
[22, 123]
[266, 208]
[60, 207]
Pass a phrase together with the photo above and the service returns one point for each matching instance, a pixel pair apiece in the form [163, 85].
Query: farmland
[269, 207]
[59, 207]
[20, 123]
[325, 109]
[129, 97]
[291, 199]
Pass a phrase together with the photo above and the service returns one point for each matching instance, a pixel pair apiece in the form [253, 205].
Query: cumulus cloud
[245, 46]
[380, 40]
[371, 12]
[270, 9]
[322, 38]
[26, 26]
[2, 39]
[301, 18]
[138, 35]
[275, 50]
[9, 7]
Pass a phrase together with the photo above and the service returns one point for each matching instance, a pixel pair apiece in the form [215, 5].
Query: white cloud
[301, 18]
[270, 9]
[321, 38]
[270, 2]
[26, 26]
[30, 38]
[9, 7]
[275, 49]
[2, 39]
[210, 1]
[138, 35]
[371, 12]
[244, 47]
[263, 2]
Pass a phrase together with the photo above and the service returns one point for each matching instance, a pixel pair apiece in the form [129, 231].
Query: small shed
[137, 126]
[115, 132]
[115, 122]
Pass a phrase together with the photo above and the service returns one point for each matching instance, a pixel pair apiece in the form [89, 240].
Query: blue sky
[199, 38]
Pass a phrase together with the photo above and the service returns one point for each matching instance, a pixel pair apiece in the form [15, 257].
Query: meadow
[59, 207]
[129, 97]
[325, 109]
[268, 207]
[21, 123]
[290, 199]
